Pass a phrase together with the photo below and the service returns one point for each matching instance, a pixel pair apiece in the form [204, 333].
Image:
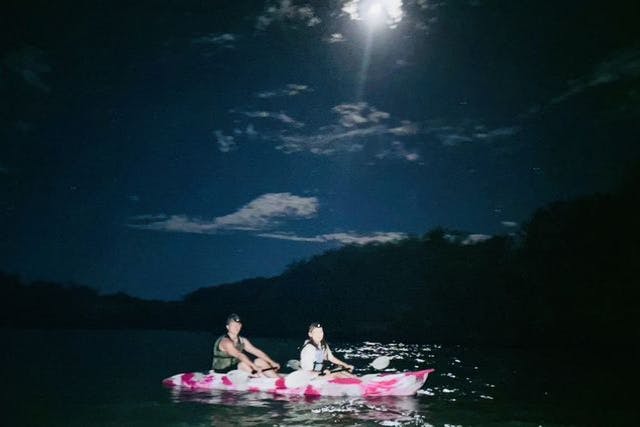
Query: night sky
[155, 147]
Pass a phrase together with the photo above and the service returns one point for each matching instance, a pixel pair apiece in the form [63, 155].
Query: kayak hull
[386, 384]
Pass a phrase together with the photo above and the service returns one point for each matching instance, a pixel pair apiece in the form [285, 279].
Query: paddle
[270, 368]
[380, 362]
[301, 377]
[377, 364]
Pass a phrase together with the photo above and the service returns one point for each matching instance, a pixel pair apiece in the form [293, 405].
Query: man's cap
[233, 317]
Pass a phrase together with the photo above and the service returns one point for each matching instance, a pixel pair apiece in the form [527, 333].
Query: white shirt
[308, 356]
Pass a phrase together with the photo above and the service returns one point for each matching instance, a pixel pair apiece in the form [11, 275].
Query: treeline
[570, 276]
[63, 306]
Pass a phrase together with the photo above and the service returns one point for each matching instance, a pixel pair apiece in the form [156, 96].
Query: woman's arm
[337, 361]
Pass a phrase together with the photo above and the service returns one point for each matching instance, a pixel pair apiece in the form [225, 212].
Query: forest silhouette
[567, 277]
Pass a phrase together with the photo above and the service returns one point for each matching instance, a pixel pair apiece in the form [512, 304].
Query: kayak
[385, 384]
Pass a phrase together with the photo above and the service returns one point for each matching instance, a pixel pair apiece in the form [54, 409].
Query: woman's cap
[314, 325]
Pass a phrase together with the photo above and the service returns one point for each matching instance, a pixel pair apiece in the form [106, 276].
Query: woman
[315, 354]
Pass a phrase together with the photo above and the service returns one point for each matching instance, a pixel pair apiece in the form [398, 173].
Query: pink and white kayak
[385, 384]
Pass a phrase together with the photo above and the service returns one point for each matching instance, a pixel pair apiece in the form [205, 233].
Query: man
[228, 352]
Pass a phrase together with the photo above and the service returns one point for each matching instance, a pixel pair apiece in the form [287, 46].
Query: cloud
[397, 150]
[335, 38]
[261, 216]
[262, 213]
[250, 131]
[622, 65]
[472, 239]
[497, 132]
[292, 89]
[510, 224]
[30, 65]
[406, 128]
[356, 124]
[281, 117]
[329, 140]
[358, 114]
[265, 211]
[467, 131]
[343, 238]
[286, 11]
[467, 239]
[225, 40]
[225, 143]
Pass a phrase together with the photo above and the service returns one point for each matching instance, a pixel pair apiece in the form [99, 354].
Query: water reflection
[257, 408]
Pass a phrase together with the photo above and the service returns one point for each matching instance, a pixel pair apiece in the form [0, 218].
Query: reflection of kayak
[386, 384]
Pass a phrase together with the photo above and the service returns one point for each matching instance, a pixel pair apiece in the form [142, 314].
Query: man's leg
[264, 365]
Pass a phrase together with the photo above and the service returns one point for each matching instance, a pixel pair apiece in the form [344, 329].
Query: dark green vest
[221, 360]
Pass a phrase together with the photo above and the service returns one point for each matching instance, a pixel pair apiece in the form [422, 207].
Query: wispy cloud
[281, 117]
[250, 131]
[355, 126]
[472, 239]
[225, 143]
[406, 127]
[510, 224]
[262, 213]
[359, 113]
[335, 38]
[343, 238]
[467, 239]
[397, 150]
[225, 40]
[621, 66]
[360, 124]
[285, 11]
[262, 216]
[329, 140]
[451, 133]
[292, 89]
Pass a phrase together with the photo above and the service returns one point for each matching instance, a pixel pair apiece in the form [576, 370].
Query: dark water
[113, 378]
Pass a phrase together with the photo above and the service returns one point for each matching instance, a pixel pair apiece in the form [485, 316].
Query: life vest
[319, 356]
[221, 359]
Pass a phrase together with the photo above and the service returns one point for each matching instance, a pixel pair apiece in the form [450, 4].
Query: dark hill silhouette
[569, 277]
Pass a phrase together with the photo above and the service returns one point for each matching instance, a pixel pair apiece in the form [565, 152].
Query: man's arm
[250, 348]
[227, 346]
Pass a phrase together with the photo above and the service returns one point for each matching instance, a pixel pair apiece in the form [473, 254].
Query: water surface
[113, 378]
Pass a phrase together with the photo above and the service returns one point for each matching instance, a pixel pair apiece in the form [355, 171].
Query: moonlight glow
[375, 12]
